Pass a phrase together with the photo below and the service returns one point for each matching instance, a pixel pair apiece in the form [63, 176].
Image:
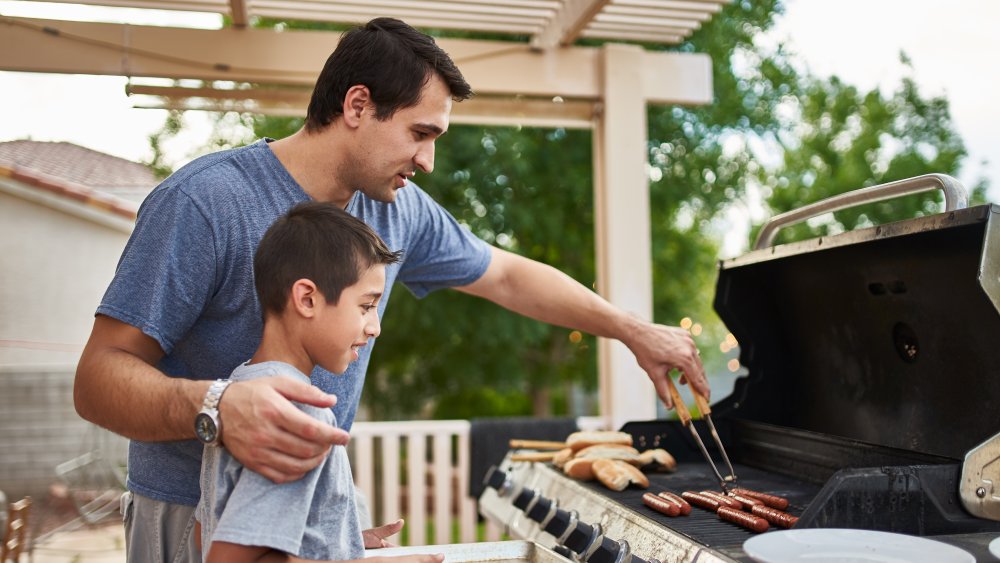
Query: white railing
[377, 453]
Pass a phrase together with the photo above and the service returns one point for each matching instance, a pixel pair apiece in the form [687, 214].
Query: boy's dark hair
[317, 241]
[393, 60]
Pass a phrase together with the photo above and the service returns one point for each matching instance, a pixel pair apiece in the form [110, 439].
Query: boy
[319, 275]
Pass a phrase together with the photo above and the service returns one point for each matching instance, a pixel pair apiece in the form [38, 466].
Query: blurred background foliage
[775, 137]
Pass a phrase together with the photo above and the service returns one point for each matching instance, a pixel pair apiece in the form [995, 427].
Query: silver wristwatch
[207, 424]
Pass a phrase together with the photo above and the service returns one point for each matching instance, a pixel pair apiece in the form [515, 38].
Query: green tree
[839, 139]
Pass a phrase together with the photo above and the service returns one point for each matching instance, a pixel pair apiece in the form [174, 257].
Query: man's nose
[424, 159]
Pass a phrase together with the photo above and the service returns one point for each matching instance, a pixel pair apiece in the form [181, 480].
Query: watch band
[214, 394]
[208, 423]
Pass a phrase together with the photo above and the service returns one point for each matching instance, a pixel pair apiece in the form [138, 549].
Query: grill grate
[701, 525]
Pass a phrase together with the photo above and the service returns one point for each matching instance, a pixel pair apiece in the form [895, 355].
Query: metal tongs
[706, 414]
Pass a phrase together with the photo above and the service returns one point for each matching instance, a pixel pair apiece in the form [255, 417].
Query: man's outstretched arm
[118, 387]
[544, 293]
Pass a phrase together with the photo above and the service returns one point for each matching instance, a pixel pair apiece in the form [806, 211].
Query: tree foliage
[530, 191]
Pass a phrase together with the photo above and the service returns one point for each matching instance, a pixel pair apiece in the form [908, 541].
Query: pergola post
[622, 220]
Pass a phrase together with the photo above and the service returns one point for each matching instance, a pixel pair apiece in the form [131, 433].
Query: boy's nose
[374, 328]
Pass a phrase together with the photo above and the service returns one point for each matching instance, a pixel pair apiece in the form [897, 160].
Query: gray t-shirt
[314, 517]
[186, 280]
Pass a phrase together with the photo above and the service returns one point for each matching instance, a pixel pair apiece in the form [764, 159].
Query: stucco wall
[54, 267]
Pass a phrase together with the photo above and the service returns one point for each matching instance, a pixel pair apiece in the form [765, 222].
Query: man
[181, 310]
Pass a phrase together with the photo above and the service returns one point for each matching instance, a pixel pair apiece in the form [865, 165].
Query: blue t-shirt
[186, 280]
[314, 517]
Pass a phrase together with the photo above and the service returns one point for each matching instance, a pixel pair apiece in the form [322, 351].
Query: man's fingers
[662, 391]
[270, 435]
[295, 390]
[279, 467]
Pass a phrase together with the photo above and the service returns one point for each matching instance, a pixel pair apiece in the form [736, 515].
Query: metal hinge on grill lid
[980, 485]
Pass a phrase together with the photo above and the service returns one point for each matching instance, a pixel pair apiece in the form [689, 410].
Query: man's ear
[306, 298]
[357, 100]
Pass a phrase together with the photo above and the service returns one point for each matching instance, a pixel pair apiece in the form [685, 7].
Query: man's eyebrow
[431, 127]
[373, 294]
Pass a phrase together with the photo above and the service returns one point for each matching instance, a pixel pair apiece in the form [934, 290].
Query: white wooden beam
[287, 102]
[239, 13]
[622, 212]
[567, 24]
[268, 56]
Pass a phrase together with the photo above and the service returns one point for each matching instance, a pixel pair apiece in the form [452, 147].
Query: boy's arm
[118, 387]
[543, 293]
[224, 552]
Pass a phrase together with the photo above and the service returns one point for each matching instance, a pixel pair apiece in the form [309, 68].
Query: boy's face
[389, 152]
[344, 327]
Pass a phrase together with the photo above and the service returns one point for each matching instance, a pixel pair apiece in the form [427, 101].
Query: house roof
[62, 161]
[76, 173]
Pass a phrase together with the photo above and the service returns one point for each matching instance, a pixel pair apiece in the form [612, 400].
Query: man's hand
[660, 349]
[375, 538]
[268, 434]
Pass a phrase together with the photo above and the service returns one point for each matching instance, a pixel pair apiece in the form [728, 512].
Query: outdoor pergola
[537, 78]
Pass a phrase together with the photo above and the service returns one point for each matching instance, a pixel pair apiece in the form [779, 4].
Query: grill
[869, 402]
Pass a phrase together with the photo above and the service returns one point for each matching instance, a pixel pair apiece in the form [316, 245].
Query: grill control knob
[606, 552]
[582, 537]
[558, 524]
[498, 480]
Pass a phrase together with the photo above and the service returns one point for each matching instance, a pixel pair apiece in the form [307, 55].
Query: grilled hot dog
[775, 516]
[746, 502]
[661, 504]
[681, 503]
[724, 500]
[698, 499]
[773, 501]
[748, 521]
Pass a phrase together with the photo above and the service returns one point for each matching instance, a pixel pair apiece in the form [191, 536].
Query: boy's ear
[357, 99]
[305, 297]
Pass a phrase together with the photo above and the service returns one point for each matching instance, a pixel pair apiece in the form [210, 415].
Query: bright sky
[953, 47]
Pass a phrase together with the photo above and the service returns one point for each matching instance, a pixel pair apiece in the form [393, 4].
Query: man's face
[389, 152]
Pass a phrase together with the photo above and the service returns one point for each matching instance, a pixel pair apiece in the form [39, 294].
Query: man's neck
[312, 159]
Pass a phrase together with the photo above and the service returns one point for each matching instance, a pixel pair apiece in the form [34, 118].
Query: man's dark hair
[317, 241]
[393, 60]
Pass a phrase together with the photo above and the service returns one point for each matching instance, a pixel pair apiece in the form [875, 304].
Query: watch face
[205, 428]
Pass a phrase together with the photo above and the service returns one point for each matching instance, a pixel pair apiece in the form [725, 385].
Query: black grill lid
[887, 335]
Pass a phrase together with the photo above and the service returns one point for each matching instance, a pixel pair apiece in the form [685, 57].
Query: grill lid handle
[955, 197]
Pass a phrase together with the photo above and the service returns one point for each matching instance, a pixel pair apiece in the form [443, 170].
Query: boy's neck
[277, 346]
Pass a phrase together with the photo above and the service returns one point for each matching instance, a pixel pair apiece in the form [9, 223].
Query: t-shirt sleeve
[440, 252]
[168, 270]
[263, 514]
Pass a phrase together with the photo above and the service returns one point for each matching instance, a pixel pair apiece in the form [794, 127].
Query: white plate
[850, 546]
[995, 548]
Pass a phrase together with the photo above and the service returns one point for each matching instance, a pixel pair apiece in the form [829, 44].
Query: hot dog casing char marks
[745, 519]
[774, 501]
[747, 502]
[774, 516]
[723, 500]
[683, 504]
[661, 504]
[698, 499]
